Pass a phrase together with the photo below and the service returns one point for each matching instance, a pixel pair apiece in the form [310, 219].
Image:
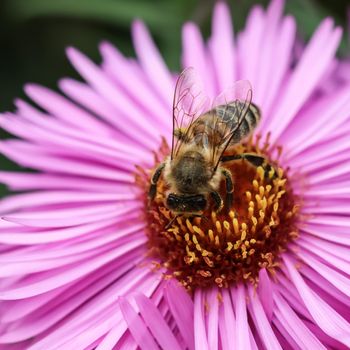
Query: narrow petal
[294, 326]
[221, 46]
[181, 307]
[125, 342]
[86, 96]
[18, 181]
[261, 322]
[38, 237]
[249, 45]
[155, 322]
[200, 334]
[32, 156]
[126, 75]
[213, 318]
[329, 232]
[42, 319]
[320, 246]
[264, 291]
[112, 337]
[325, 317]
[136, 121]
[320, 150]
[298, 90]
[46, 198]
[227, 322]
[117, 140]
[268, 46]
[326, 290]
[279, 62]
[331, 112]
[242, 328]
[56, 279]
[152, 62]
[137, 327]
[100, 309]
[194, 55]
[62, 108]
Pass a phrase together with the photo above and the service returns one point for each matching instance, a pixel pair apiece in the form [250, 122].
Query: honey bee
[194, 170]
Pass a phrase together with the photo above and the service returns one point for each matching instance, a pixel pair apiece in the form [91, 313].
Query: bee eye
[201, 202]
[172, 201]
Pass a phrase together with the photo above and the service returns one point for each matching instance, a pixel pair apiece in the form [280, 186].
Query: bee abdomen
[247, 125]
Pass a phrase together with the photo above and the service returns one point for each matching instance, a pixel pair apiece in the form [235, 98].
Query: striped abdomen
[233, 118]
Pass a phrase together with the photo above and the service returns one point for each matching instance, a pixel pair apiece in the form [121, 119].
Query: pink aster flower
[75, 273]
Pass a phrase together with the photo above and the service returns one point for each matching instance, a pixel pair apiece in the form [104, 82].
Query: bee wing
[189, 103]
[228, 112]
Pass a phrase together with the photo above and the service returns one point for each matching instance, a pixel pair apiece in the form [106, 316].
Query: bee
[194, 170]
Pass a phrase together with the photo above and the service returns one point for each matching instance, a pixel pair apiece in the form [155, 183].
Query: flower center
[232, 245]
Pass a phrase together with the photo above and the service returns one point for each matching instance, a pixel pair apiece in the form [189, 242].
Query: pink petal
[18, 181]
[152, 62]
[329, 233]
[249, 45]
[330, 220]
[125, 342]
[294, 326]
[137, 327]
[326, 291]
[100, 309]
[221, 46]
[261, 322]
[136, 120]
[32, 156]
[112, 337]
[325, 317]
[326, 340]
[51, 236]
[200, 333]
[105, 236]
[331, 112]
[127, 76]
[242, 333]
[120, 144]
[46, 198]
[156, 323]
[84, 95]
[18, 309]
[194, 55]
[227, 322]
[57, 279]
[268, 46]
[298, 89]
[265, 295]
[62, 108]
[181, 306]
[42, 318]
[213, 318]
[67, 146]
[320, 246]
[279, 63]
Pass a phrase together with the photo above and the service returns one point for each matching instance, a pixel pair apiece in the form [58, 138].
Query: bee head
[183, 203]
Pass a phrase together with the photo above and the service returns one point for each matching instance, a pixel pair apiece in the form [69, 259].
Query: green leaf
[156, 14]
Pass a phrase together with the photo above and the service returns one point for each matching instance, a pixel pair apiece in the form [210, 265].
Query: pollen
[232, 245]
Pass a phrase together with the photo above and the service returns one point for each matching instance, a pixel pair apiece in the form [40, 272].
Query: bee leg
[255, 160]
[229, 188]
[153, 188]
[218, 200]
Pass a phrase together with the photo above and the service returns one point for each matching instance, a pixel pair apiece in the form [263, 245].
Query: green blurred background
[34, 33]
